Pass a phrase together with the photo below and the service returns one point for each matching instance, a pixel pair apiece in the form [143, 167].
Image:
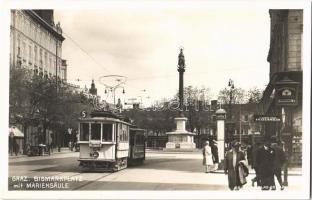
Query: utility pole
[56, 86]
[240, 123]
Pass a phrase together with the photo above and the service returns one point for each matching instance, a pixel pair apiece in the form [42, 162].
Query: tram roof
[137, 129]
[102, 119]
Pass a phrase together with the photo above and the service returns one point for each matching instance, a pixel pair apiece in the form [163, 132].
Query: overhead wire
[93, 59]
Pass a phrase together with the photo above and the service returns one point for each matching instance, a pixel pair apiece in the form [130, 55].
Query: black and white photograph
[155, 99]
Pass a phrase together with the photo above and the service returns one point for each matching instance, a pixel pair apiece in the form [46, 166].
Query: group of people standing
[268, 161]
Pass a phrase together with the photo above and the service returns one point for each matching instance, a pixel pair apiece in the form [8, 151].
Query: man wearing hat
[232, 158]
[264, 162]
[279, 161]
[214, 151]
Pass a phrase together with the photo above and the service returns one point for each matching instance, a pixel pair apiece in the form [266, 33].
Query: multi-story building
[36, 43]
[283, 95]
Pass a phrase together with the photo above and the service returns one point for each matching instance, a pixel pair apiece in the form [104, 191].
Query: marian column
[181, 70]
[180, 138]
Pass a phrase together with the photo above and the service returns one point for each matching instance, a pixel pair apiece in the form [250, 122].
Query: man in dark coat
[214, 151]
[257, 179]
[265, 159]
[231, 161]
[279, 161]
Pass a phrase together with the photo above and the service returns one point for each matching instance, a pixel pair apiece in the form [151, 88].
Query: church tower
[93, 89]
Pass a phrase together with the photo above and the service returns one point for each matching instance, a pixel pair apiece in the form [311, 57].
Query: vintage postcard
[156, 99]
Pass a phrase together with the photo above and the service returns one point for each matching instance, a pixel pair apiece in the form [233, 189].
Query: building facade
[36, 43]
[283, 95]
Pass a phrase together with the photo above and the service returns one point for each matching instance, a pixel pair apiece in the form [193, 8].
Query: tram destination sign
[266, 118]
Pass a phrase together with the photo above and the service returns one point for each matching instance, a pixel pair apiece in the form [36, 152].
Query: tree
[196, 104]
[37, 101]
[254, 95]
[238, 95]
[18, 96]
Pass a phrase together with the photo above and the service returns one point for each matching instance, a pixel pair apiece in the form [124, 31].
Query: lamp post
[230, 122]
[113, 90]
[231, 86]
[112, 83]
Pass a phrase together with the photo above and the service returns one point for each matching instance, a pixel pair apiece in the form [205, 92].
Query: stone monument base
[180, 138]
[183, 145]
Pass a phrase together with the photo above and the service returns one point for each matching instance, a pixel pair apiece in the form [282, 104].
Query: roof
[220, 111]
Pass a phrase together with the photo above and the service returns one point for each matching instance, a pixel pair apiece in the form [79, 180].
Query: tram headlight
[94, 154]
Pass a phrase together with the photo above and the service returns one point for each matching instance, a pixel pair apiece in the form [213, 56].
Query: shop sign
[266, 118]
[286, 92]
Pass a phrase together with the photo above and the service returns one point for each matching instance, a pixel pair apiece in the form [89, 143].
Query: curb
[55, 152]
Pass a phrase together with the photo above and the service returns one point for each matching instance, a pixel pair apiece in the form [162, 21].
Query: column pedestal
[180, 138]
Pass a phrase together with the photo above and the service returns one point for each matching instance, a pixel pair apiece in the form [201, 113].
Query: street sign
[266, 118]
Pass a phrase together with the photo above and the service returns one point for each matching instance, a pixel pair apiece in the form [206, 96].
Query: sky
[142, 44]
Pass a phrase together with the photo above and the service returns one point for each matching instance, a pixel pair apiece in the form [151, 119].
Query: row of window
[96, 131]
[33, 55]
[33, 30]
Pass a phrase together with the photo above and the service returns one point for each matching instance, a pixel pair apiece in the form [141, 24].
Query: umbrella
[16, 132]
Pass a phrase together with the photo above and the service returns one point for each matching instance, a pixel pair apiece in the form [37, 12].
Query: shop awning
[16, 132]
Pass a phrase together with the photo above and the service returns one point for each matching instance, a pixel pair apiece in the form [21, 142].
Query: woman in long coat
[231, 161]
[207, 158]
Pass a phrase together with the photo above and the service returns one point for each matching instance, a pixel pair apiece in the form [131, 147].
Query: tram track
[92, 181]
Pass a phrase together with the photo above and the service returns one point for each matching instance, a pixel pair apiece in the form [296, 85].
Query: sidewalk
[54, 151]
[154, 153]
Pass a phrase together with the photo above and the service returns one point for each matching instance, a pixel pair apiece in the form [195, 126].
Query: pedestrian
[11, 143]
[278, 163]
[207, 157]
[254, 165]
[214, 151]
[16, 146]
[232, 158]
[265, 160]
[249, 154]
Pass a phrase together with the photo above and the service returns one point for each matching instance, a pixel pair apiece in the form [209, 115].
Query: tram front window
[84, 132]
[107, 132]
[95, 131]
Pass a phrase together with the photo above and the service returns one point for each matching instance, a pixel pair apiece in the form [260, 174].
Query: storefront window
[95, 131]
[84, 132]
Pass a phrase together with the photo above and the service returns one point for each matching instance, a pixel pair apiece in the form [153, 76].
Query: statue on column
[181, 63]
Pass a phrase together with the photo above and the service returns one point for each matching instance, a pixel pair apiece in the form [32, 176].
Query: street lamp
[231, 86]
[112, 83]
[230, 122]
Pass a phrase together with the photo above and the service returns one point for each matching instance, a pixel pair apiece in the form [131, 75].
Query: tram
[109, 142]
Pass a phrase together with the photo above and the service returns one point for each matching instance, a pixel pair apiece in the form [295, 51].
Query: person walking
[265, 159]
[214, 151]
[254, 165]
[278, 163]
[207, 157]
[232, 158]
